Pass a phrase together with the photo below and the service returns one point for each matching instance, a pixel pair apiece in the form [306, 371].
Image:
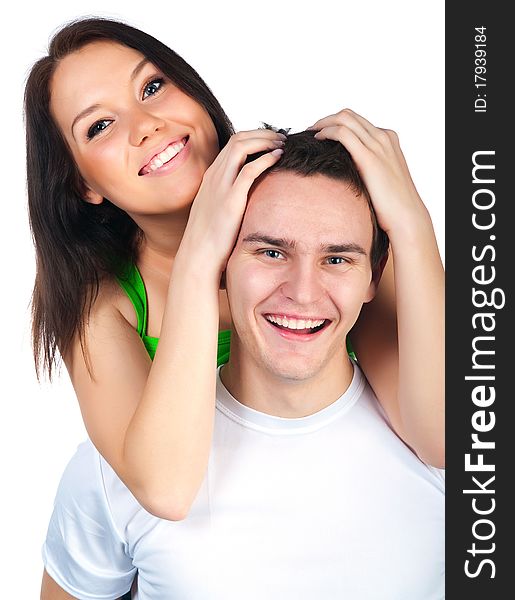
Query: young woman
[134, 176]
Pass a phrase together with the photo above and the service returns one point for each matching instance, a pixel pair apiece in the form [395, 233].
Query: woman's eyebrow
[138, 68]
[84, 113]
[87, 111]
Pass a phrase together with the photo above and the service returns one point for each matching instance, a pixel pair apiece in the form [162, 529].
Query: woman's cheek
[97, 167]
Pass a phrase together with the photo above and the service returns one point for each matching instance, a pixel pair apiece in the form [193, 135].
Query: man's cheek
[258, 283]
[249, 286]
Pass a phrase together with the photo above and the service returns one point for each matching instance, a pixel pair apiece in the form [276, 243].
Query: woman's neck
[162, 235]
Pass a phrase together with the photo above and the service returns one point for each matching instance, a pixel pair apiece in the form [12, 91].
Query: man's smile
[295, 327]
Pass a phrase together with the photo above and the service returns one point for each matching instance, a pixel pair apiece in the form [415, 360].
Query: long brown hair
[78, 243]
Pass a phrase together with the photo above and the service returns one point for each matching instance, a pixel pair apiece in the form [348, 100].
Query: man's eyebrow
[261, 238]
[87, 111]
[340, 248]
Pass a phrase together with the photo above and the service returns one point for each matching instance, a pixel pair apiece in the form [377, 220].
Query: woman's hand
[381, 163]
[219, 206]
[399, 337]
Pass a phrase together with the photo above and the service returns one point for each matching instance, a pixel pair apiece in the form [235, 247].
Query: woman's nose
[143, 125]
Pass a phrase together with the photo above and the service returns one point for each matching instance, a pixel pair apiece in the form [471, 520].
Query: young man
[309, 492]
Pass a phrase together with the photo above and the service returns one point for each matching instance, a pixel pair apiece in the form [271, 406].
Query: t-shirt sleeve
[83, 551]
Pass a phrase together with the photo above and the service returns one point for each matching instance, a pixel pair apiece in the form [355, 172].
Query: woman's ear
[84, 190]
[92, 197]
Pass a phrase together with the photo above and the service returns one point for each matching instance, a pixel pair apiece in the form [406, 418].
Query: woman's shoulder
[112, 302]
[109, 316]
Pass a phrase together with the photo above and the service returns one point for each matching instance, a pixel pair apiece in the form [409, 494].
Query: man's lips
[296, 327]
[160, 157]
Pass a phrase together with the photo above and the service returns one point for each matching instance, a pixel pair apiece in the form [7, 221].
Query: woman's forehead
[98, 60]
[97, 70]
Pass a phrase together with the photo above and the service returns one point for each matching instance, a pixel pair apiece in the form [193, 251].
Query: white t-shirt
[329, 506]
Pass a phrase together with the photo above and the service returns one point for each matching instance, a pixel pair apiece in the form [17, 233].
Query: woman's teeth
[289, 323]
[165, 156]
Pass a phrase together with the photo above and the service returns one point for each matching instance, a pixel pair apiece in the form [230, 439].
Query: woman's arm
[399, 337]
[153, 421]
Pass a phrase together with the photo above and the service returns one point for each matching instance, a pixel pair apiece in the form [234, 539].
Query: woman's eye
[152, 87]
[272, 253]
[98, 127]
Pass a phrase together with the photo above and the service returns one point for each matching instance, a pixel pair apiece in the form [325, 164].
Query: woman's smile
[163, 160]
[137, 139]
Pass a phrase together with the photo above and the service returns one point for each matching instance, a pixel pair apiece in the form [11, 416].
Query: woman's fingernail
[282, 136]
[277, 152]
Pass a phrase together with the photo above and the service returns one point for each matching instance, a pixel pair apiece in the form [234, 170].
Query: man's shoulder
[90, 489]
[365, 396]
[381, 430]
[84, 551]
[82, 477]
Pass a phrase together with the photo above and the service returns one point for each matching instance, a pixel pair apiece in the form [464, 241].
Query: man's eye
[272, 253]
[336, 260]
[152, 87]
[97, 127]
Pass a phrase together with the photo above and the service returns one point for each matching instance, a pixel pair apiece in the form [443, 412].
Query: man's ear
[91, 196]
[376, 278]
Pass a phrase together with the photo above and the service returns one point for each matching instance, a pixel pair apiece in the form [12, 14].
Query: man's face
[299, 274]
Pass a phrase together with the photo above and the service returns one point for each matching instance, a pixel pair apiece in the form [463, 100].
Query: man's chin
[293, 370]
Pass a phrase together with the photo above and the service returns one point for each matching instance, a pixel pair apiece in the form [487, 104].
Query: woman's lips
[162, 161]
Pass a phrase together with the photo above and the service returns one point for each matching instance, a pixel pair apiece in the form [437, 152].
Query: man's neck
[272, 394]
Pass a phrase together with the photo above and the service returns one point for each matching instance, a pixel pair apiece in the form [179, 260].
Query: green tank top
[132, 282]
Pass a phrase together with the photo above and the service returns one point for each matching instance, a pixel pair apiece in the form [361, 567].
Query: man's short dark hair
[305, 155]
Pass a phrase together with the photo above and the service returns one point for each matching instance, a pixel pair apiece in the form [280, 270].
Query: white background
[284, 62]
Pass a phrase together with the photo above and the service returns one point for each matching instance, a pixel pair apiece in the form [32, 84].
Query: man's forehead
[288, 203]
[284, 185]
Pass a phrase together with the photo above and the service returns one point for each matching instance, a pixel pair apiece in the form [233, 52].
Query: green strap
[224, 347]
[132, 282]
[134, 287]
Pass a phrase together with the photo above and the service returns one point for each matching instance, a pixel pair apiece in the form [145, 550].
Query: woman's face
[136, 138]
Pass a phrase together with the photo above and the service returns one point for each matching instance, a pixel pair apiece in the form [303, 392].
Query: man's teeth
[295, 323]
[163, 157]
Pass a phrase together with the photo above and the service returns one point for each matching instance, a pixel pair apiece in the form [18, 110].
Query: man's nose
[303, 283]
[143, 125]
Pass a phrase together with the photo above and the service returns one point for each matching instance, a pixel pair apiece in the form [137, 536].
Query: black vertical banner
[480, 268]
